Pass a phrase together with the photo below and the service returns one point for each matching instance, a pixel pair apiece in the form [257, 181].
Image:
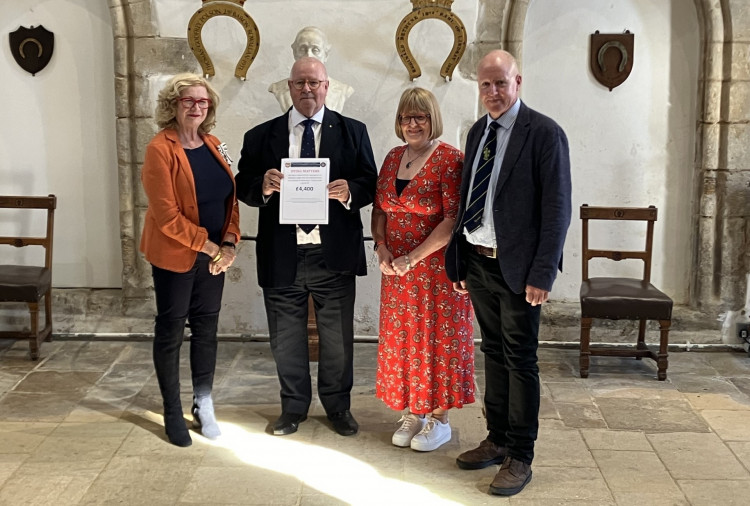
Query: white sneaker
[433, 435]
[411, 425]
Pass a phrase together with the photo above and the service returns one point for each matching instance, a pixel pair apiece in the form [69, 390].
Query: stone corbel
[232, 9]
[431, 9]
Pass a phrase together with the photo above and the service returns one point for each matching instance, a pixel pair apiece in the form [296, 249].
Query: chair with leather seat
[623, 298]
[29, 283]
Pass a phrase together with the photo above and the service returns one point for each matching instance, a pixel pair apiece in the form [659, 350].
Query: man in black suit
[294, 261]
[505, 250]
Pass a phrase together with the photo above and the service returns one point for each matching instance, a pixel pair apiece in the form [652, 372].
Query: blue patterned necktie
[475, 209]
[307, 150]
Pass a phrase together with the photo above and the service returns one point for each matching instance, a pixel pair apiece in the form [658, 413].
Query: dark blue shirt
[212, 188]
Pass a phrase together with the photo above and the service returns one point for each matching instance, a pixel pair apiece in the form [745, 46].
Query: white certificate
[304, 196]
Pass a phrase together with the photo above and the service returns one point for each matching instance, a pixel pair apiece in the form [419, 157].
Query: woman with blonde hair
[189, 236]
[426, 349]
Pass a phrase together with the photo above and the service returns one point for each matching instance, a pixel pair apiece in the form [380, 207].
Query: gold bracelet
[217, 257]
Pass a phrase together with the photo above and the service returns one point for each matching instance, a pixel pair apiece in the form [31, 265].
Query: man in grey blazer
[505, 251]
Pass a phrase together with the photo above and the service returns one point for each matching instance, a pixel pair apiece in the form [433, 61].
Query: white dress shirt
[296, 129]
[485, 234]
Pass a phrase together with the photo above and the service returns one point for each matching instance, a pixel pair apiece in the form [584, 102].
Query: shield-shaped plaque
[32, 47]
[611, 57]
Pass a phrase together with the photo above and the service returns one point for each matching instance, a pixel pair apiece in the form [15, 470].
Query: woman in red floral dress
[426, 348]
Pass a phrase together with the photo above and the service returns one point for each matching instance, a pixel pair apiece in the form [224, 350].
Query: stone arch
[714, 285]
[134, 31]
[123, 29]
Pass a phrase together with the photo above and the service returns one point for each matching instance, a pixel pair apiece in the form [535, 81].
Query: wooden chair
[22, 283]
[617, 298]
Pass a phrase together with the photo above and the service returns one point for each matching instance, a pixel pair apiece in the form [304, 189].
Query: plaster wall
[58, 136]
[632, 146]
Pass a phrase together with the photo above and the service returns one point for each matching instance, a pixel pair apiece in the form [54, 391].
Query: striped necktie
[475, 209]
[307, 150]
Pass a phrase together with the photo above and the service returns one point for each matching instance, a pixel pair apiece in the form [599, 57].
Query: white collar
[297, 117]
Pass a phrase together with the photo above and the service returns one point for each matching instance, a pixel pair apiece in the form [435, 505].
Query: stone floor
[82, 426]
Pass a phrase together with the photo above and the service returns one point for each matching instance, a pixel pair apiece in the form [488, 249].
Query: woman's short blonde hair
[166, 105]
[420, 100]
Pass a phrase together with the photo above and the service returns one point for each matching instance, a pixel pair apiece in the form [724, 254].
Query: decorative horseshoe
[435, 9]
[233, 9]
[618, 45]
[39, 52]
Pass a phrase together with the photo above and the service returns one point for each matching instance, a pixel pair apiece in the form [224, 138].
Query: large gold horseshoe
[26, 41]
[435, 9]
[233, 9]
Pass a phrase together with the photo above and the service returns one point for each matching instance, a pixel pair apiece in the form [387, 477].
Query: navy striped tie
[475, 209]
[307, 150]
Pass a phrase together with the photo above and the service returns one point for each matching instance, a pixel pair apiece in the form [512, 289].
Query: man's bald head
[498, 57]
[499, 82]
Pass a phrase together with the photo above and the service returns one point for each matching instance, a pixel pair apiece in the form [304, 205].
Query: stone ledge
[104, 312]
[561, 323]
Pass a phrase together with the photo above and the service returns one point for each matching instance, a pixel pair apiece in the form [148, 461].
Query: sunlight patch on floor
[331, 472]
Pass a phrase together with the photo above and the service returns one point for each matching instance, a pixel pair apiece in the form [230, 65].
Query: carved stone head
[311, 41]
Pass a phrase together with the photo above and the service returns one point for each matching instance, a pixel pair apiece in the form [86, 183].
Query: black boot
[168, 336]
[203, 347]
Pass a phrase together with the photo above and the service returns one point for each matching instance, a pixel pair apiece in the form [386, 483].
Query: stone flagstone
[83, 426]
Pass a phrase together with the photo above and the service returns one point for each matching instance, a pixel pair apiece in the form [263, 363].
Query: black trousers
[510, 329]
[194, 296]
[286, 309]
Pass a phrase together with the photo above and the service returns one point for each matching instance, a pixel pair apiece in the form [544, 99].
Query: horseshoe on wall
[32, 47]
[618, 45]
[39, 52]
[431, 9]
[232, 9]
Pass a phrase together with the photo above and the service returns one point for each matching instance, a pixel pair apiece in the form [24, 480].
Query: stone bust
[311, 41]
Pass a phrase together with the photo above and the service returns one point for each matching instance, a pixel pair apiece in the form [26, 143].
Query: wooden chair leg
[48, 314]
[585, 353]
[641, 344]
[662, 361]
[34, 337]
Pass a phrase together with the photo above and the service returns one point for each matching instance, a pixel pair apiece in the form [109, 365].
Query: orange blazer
[172, 236]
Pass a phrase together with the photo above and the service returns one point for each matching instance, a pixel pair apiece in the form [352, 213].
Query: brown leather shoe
[485, 455]
[511, 478]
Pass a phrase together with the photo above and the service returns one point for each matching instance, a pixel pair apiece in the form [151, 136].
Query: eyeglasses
[420, 119]
[189, 102]
[300, 83]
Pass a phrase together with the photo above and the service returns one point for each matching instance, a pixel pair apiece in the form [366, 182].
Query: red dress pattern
[426, 347]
